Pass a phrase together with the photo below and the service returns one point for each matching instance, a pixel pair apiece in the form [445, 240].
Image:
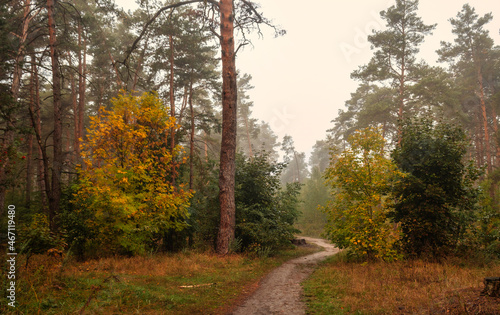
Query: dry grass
[160, 265]
[183, 283]
[413, 287]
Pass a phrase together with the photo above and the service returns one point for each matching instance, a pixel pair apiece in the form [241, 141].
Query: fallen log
[198, 285]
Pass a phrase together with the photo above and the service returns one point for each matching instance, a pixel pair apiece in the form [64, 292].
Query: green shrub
[265, 211]
[436, 199]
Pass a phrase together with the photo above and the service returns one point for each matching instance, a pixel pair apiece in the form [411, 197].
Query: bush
[265, 212]
[436, 198]
[36, 237]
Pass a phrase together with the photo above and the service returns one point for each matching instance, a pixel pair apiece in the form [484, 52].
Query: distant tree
[435, 198]
[313, 195]
[360, 179]
[246, 125]
[320, 155]
[296, 170]
[267, 141]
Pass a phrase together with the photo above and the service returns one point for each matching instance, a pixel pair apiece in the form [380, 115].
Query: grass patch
[139, 285]
[408, 287]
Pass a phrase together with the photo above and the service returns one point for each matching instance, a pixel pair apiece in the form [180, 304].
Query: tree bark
[82, 84]
[479, 141]
[485, 120]
[228, 144]
[172, 102]
[191, 138]
[37, 127]
[57, 160]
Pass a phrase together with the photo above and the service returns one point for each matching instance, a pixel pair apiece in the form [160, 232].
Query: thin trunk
[402, 80]
[228, 144]
[37, 127]
[29, 171]
[248, 137]
[297, 164]
[172, 98]
[55, 191]
[172, 103]
[185, 98]
[485, 120]
[74, 103]
[495, 129]
[139, 64]
[118, 79]
[82, 84]
[479, 141]
[191, 138]
[205, 147]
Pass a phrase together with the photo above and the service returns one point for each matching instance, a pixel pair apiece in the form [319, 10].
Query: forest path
[280, 291]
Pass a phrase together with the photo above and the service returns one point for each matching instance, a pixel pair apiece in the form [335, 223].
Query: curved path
[280, 291]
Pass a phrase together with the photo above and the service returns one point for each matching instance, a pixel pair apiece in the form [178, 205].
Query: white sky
[302, 79]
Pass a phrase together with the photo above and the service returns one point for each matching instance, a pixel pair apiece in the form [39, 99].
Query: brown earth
[280, 291]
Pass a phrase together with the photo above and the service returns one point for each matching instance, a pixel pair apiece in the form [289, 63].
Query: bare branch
[171, 6]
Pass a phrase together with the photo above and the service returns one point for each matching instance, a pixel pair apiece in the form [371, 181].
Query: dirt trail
[280, 291]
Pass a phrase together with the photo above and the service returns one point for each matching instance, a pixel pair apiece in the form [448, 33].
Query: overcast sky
[302, 79]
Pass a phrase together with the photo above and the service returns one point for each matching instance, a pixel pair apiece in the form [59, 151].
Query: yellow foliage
[127, 171]
[361, 177]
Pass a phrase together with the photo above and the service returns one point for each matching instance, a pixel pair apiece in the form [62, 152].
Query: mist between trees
[132, 133]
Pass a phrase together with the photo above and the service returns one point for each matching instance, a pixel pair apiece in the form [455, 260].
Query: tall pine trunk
[57, 159]
[228, 144]
[484, 117]
[191, 137]
[172, 102]
[82, 83]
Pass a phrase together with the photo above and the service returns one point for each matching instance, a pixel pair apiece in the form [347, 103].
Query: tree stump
[491, 287]
[299, 241]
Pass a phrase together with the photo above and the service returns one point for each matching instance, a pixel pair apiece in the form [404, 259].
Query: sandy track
[280, 291]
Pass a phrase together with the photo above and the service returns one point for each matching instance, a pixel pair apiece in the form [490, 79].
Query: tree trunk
[191, 138]
[82, 84]
[479, 141]
[250, 152]
[485, 120]
[495, 130]
[55, 191]
[139, 64]
[29, 170]
[228, 144]
[172, 102]
[37, 127]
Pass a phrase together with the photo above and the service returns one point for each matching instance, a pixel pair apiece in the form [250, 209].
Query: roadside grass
[183, 283]
[406, 287]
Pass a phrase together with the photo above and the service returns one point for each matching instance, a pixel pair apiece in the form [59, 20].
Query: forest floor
[280, 292]
[452, 286]
[188, 282]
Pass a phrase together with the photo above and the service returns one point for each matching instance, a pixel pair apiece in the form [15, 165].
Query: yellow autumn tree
[125, 195]
[360, 179]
